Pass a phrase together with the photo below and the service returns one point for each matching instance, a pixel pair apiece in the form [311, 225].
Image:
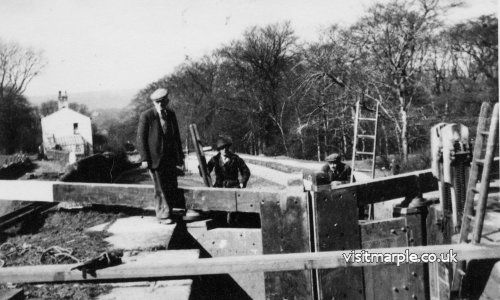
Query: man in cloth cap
[160, 147]
[227, 165]
[336, 171]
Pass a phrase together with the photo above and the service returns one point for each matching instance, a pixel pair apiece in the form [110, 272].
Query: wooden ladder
[355, 152]
[483, 135]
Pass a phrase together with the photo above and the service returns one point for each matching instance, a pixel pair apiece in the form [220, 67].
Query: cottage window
[75, 128]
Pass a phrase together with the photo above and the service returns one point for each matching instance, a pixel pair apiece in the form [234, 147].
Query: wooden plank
[407, 185]
[222, 242]
[199, 197]
[135, 195]
[285, 229]
[384, 188]
[202, 162]
[206, 199]
[250, 201]
[159, 290]
[336, 228]
[438, 233]
[160, 269]
[416, 276]
[23, 214]
[26, 190]
[388, 282]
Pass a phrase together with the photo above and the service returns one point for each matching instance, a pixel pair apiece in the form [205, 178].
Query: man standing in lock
[227, 166]
[230, 172]
[160, 147]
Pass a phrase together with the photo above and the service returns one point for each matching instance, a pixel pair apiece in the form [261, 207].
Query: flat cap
[333, 157]
[158, 94]
[223, 142]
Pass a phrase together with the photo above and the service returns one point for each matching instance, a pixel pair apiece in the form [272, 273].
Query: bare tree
[332, 69]
[18, 66]
[263, 59]
[475, 48]
[397, 37]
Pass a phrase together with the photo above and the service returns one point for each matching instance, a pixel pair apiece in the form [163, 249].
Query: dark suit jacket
[156, 147]
[227, 175]
[342, 173]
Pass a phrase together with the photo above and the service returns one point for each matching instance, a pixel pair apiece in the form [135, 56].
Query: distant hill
[93, 100]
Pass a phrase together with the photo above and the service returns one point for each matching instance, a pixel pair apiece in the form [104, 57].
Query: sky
[103, 45]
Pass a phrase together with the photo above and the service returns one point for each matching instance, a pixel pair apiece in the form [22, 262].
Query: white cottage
[67, 129]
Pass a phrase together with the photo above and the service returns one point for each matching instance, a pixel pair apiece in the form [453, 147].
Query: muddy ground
[27, 244]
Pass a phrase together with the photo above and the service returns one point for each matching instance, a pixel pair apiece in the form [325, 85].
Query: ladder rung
[480, 161]
[494, 186]
[363, 170]
[367, 119]
[460, 272]
[365, 153]
[366, 136]
[470, 217]
[484, 132]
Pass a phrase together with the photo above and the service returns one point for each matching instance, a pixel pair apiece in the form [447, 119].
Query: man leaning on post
[160, 147]
[336, 171]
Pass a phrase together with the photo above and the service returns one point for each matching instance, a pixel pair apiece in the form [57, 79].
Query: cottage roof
[68, 112]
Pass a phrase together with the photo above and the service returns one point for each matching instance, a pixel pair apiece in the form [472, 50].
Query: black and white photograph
[249, 149]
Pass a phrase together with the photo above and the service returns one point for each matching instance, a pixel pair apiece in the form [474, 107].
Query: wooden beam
[233, 264]
[135, 195]
[383, 188]
[104, 193]
[26, 190]
[204, 198]
[23, 213]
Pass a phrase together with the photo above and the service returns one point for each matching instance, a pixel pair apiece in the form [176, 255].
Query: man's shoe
[191, 215]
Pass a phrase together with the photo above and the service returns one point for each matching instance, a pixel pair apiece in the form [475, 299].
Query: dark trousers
[165, 183]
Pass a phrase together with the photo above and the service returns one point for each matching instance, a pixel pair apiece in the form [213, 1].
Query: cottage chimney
[62, 100]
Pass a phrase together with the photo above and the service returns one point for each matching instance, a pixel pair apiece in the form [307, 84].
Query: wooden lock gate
[292, 221]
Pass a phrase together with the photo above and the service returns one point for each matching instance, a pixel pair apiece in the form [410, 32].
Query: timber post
[285, 229]
[416, 229]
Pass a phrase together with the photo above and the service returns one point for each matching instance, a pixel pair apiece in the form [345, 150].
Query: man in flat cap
[336, 171]
[227, 165]
[160, 147]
